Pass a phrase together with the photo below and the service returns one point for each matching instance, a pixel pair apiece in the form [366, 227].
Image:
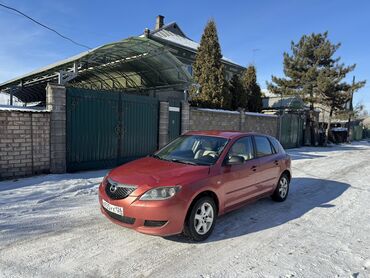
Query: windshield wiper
[183, 161]
[156, 156]
[189, 162]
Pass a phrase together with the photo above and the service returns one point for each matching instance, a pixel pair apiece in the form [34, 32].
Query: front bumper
[138, 214]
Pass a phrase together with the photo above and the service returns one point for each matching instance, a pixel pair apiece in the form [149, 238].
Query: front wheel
[201, 220]
[282, 189]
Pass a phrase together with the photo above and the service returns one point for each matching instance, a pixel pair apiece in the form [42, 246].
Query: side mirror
[234, 160]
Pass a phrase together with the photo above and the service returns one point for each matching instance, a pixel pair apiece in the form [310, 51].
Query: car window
[263, 146]
[242, 147]
[193, 149]
[275, 144]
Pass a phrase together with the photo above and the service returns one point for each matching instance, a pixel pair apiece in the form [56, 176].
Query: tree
[313, 74]
[302, 67]
[252, 89]
[334, 93]
[209, 72]
[237, 92]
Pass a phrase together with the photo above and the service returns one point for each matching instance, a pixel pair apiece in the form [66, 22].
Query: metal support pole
[11, 97]
[350, 113]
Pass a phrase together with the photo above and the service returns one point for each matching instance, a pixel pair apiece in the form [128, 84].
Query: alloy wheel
[203, 218]
[283, 187]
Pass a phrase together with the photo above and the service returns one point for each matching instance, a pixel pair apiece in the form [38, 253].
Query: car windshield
[193, 149]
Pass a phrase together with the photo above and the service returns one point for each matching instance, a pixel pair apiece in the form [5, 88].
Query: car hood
[150, 172]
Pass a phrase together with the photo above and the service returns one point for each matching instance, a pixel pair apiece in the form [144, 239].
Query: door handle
[254, 168]
[276, 162]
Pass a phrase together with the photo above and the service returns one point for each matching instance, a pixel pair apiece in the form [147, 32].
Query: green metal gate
[174, 119]
[105, 129]
[139, 127]
[291, 130]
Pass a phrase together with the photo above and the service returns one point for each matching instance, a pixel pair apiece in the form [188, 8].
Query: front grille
[154, 223]
[118, 191]
[124, 219]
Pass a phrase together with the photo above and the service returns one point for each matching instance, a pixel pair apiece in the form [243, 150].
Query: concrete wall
[163, 123]
[209, 119]
[266, 124]
[24, 143]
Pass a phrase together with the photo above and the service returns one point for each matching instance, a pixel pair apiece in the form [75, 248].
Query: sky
[250, 32]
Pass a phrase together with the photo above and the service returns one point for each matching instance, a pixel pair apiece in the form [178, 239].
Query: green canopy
[136, 64]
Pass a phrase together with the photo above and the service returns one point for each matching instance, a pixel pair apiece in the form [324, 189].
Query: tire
[201, 220]
[282, 189]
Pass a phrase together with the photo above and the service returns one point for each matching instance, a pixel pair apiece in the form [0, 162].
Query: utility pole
[350, 112]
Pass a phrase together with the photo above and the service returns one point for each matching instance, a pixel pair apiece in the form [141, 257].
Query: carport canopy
[133, 64]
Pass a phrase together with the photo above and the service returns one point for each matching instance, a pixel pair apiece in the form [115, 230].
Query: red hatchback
[202, 174]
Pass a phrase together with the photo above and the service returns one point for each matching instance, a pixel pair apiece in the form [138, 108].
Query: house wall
[24, 143]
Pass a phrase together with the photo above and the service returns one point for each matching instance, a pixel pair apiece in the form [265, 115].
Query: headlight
[161, 193]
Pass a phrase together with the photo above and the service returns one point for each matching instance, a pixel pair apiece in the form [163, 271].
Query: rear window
[263, 146]
[275, 143]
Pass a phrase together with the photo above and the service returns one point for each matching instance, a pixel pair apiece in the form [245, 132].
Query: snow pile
[51, 226]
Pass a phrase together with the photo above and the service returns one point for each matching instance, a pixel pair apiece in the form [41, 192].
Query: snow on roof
[22, 108]
[236, 112]
[180, 38]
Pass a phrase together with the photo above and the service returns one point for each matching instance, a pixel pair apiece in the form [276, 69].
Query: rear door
[268, 169]
[239, 181]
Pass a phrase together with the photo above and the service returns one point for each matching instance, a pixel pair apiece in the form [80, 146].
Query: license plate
[113, 208]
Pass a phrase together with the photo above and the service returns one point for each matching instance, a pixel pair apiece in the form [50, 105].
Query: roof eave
[192, 50]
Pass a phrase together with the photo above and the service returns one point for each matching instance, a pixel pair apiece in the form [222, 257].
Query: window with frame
[263, 146]
[242, 147]
[275, 143]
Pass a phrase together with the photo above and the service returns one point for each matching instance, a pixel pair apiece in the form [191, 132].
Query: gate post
[56, 104]
[242, 118]
[163, 123]
[185, 116]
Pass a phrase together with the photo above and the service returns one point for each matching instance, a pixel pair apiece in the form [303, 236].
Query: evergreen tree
[237, 92]
[309, 56]
[334, 92]
[252, 90]
[312, 73]
[209, 72]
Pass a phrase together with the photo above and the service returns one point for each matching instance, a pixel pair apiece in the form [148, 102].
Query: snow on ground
[51, 226]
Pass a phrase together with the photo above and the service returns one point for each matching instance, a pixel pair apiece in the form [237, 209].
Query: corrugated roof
[135, 63]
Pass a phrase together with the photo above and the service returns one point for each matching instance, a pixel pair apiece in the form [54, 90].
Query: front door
[239, 181]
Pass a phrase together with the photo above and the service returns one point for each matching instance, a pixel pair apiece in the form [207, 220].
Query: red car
[202, 174]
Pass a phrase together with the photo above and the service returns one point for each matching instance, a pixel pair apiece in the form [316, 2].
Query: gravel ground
[51, 226]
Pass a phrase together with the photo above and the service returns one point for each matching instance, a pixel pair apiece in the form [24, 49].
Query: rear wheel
[282, 189]
[201, 219]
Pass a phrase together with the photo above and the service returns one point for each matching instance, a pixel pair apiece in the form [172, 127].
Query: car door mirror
[234, 160]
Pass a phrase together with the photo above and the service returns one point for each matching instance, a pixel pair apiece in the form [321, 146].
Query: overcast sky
[250, 31]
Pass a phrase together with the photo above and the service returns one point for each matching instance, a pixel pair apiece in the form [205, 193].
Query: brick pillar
[185, 116]
[163, 123]
[242, 119]
[56, 104]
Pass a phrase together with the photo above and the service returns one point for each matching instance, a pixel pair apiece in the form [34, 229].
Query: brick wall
[24, 143]
[208, 119]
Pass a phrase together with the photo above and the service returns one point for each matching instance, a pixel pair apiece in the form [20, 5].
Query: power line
[43, 25]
